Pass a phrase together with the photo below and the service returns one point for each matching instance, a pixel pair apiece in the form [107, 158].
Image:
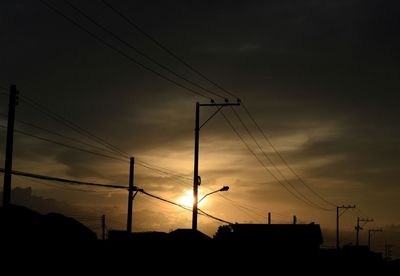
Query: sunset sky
[320, 77]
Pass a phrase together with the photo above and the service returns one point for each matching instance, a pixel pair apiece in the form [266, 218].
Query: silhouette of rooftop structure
[21, 224]
[278, 236]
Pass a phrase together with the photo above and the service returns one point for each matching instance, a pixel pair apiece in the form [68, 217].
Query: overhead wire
[163, 171]
[53, 115]
[283, 159]
[66, 145]
[119, 51]
[286, 180]
[159, 44]
[91, 19]
[262, 163]
[180, 59]
[184, 207]
[65, 188]
[89, 31]
[64, 136]
[63, 180]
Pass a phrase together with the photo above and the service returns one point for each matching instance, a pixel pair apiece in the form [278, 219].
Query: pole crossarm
[220, 106]
[345, 208]
[365, 220]
[338, 214]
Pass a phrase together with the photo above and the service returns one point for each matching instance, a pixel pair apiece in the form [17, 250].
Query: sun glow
[186, 199]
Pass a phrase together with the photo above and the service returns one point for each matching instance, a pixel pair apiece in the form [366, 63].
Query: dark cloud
[321, 77]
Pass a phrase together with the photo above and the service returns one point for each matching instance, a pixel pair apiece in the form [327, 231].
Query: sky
[321, 78]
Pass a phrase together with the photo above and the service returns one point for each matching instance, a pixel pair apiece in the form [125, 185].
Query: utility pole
[369, 236]
[196, 178]
[358, 227]
[13, 101]
[196, 167]
[337, 220]
[130, 195]
[103, 227]
[388, 251]
[269, 217]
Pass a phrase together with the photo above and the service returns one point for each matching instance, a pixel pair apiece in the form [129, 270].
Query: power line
[159, 44]
[166, 200]
[66, 145]
[53, 115]
[122, 53]
[282, 158]
[213, 217]
[42, 183]
[63, 180]
[163, 47]
[243, 209]
[263, 165]
[272, 162]
[64, 136]
[183, 206]
[139, 51]
[174, 174]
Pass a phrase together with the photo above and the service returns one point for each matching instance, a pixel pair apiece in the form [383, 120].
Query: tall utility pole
[13, 101]
[369, 236]
[358, 227]
[103, 227]
[337, 220]
[196, 178]
[130, 195]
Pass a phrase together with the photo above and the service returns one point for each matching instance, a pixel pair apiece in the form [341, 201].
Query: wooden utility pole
[269, 217]
[130, 196]
[358, 227]
[337, 220]
[196, 178]
[9, 146]
[103, 227]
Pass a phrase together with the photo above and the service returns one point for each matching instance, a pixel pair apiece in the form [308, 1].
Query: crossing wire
[273, 163]
[53, 115]
[119, 51]
[66, 145]
[265, 167]
[84, 14]
[198, 72]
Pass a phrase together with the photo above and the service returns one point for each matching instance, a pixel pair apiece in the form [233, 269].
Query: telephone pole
[337, 220]
[369, 236]
[13, 101]
[196, 178]
[103, 227]
[130, 196]
[358, 227]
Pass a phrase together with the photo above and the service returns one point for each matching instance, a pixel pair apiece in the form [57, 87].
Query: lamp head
[225, 188]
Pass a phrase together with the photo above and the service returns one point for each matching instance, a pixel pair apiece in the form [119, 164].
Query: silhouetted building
[300, 237]
[188, 235]
[20, 224]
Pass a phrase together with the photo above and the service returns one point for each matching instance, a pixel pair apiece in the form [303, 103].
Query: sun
[186, 199]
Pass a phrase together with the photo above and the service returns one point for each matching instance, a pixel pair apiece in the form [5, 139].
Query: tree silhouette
[224, 232]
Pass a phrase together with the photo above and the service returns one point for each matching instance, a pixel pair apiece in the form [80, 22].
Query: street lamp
[223, 189]
[196, 177]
